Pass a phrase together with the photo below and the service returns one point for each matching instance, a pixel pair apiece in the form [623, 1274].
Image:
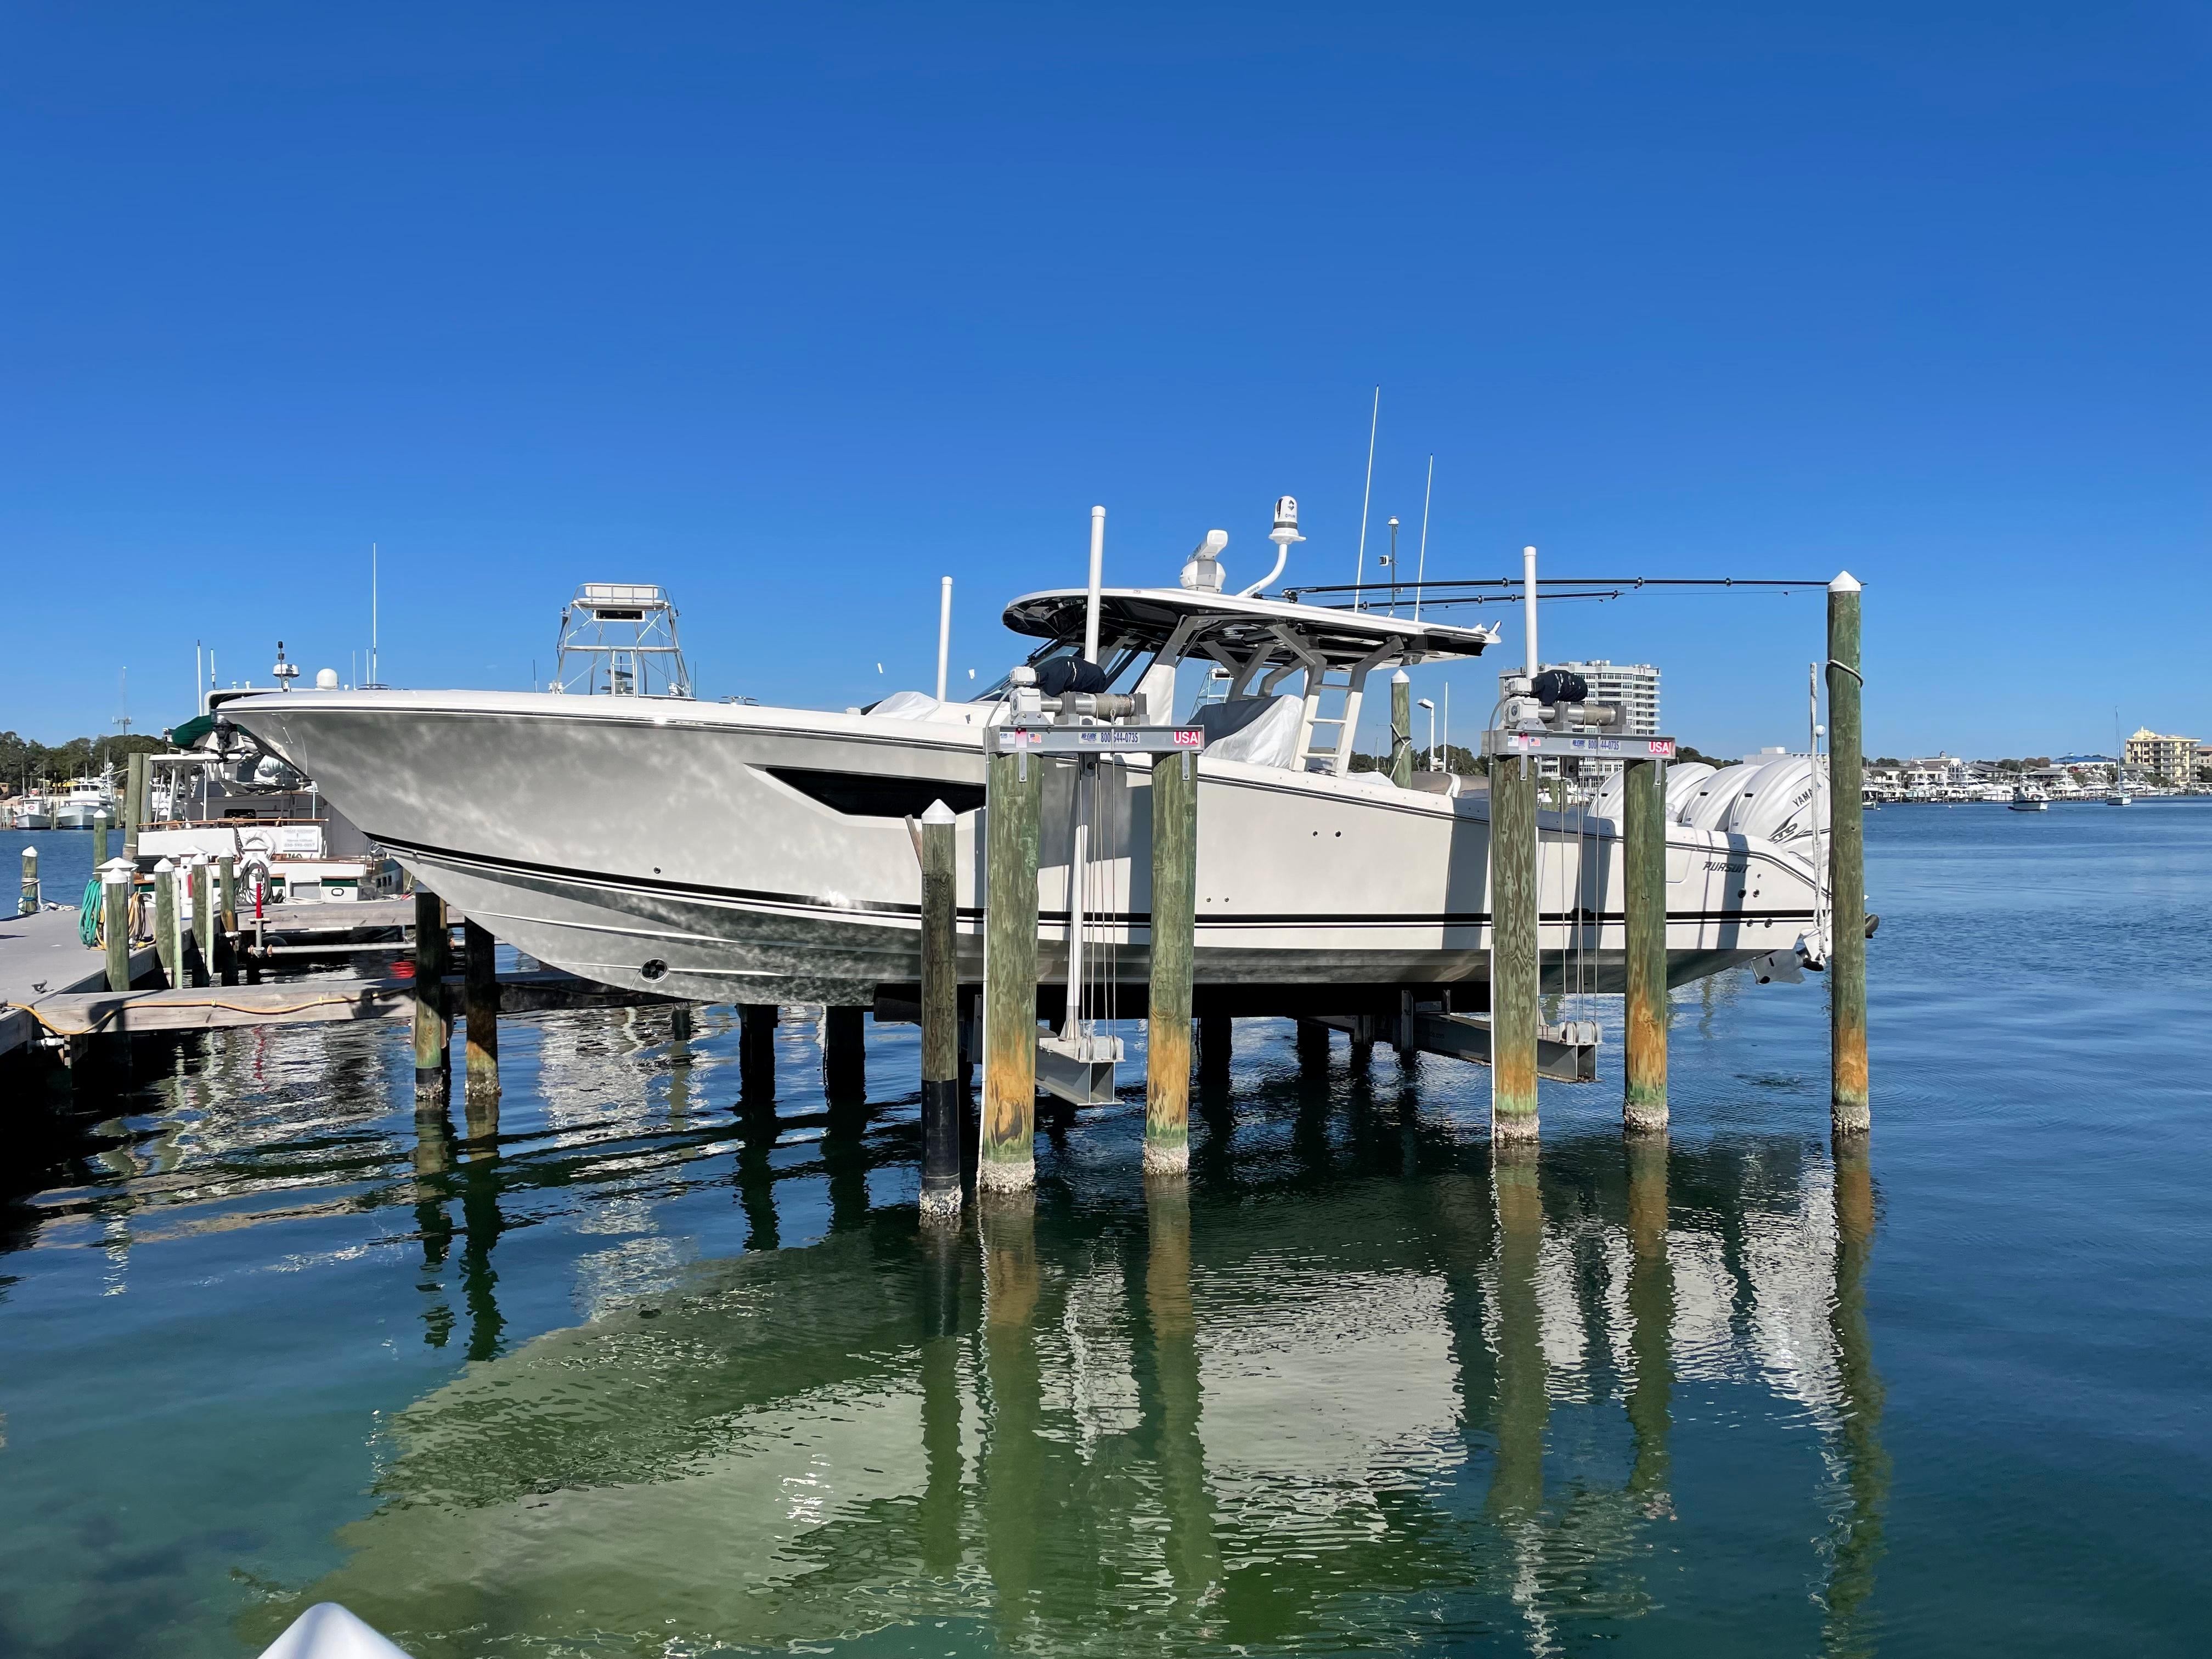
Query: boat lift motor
[1554, 698]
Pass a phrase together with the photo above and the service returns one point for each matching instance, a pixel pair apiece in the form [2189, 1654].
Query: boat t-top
[734, 852]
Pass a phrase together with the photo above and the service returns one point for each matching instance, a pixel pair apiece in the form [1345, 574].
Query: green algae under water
[633, 1382]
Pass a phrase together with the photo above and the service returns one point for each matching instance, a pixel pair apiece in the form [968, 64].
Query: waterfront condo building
[2156, 755]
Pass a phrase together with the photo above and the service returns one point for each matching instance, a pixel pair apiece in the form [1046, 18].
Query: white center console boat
[733, 852]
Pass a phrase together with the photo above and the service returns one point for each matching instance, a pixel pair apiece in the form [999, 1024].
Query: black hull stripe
[1135, 917]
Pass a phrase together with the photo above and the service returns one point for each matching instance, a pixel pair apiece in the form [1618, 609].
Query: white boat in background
[2030, 798]
[35, 811]
[75, 806]
[2119, 795]
[730, 853]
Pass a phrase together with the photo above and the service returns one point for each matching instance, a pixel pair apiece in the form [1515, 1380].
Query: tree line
[27, 764]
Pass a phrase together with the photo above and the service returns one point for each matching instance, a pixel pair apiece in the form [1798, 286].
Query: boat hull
[731, 854]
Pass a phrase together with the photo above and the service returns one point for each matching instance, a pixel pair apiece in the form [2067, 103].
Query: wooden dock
[53, 987]
[41, 955]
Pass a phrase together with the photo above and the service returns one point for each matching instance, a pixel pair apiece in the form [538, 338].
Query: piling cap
[1846, 583]
[116, 870]
[938, 813]
[1401, 677]
[165, 868]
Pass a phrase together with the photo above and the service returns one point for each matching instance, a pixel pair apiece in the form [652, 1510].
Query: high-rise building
[2161, 756]
[1630, 687]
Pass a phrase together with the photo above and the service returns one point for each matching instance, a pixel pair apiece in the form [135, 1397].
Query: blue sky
[796, 309]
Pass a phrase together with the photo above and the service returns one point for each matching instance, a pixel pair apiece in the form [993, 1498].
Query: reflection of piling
[482, 1224]
[757, 1052]
[756, 1184]
[1643, 859]
[844, 1054]
[940, 1016]
[1013, 794]
[433, 1021]
[1515, 1010]
[939, 1517]
[1857, 1542]
[1651, 1314]
[1847, 1007]
[1194, 1555]
[1174, 939]
[480, 971]
[1516, 1485]
[1013, 1456]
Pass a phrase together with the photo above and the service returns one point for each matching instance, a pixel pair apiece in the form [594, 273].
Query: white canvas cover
[1260, 731]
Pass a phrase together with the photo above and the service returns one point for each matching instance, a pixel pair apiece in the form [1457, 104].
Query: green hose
[88, 915]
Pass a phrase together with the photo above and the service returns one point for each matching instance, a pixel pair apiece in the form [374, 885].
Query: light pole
[1431, 707]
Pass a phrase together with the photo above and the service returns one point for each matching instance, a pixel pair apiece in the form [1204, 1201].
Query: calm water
[631, 1382]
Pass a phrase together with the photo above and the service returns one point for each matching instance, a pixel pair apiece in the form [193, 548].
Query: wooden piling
[115, 921]
[940, 1016]
[844, 1054]
[165, 922]
[226, 922]
[433, 1020]
[480, 971]
[1401, 730]
[1847, 1007]
[1514, 977]
[100, 838]
[1644, 1013]
[1174, 940]
[28, 904]
[134, 805]
[202, 878]
[757, 1052]
[1007, 1159]
[1312, 1040]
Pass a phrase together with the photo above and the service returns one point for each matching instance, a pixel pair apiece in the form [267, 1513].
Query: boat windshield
[1122, 665]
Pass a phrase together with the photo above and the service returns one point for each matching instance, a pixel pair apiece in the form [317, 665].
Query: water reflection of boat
[1178, 1429]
